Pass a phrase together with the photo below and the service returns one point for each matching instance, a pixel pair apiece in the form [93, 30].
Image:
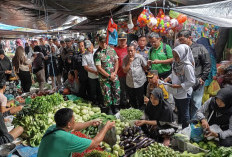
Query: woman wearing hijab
[22, 68]
[218, 110]
[158, 112]
[182, 79]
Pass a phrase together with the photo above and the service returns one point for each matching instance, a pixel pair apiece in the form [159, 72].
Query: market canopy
[218, 13]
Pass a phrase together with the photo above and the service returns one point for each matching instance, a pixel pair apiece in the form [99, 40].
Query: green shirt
[61, 144]
[160, 55]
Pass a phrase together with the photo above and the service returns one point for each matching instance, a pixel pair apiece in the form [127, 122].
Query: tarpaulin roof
[218, 13]
[51, 14]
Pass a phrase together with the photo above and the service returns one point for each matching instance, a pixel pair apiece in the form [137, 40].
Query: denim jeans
[183, 110]
[196, 101]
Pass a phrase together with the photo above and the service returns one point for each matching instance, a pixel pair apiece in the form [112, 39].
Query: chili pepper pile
[79, 134]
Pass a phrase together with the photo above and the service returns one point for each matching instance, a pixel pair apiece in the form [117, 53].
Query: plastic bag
[72, 97]
[196, 132]
[213, 88]
[110, 136]
[206, 95]
[186, 131]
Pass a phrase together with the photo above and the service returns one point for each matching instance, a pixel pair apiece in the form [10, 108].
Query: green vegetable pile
[130, 114]
[92, 131]
[157, 150]
[36, 119]
[221, 152]
[206, 145]
[186, 154]
[96, 153]
[45, 104]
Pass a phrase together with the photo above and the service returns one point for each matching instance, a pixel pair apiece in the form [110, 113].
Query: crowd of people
[129, 75]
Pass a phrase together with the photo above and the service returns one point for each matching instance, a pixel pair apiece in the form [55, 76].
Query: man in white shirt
[89, 66]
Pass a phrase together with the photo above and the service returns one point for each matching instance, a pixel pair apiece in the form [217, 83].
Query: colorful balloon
[181, 18]
[161, 12]
[179, 27]
[173, 23]
[152, 22]
[166, 18]
[173, 14]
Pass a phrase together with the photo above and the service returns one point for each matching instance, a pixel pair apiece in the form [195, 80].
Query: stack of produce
[36, 119]
[220, 152]
[157, 149]
[206, 145]
[92, 131]
[96, 153]
[115, 149]
[130, 114]
[132, 139]
[79, 134]
[186, 154]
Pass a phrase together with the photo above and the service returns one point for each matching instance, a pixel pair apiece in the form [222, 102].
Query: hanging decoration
[143, 18]
[161, 23]
[112, 34]
[130, 24]
[181, 18]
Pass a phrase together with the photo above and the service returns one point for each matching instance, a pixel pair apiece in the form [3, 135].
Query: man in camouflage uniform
[106, 61]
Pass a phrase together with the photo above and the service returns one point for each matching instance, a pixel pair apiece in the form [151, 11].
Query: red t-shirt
[121, 52]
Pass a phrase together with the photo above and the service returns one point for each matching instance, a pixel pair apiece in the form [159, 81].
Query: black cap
[67, 40]
[122, 35]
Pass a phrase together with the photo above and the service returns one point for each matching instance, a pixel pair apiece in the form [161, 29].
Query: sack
[196, 132]
[213, 88]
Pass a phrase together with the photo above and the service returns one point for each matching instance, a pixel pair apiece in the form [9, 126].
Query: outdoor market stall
[126, 139]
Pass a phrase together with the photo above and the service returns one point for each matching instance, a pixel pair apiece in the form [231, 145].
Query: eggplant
[138, 144]
[148, 144]
[127, 140]
[141, 143]
[134, 139]
[130, 132]
[141, 132]
[129, 153]
[125, 133]
[121, 143]
[122, 138]
[129, 145]
[141, 138]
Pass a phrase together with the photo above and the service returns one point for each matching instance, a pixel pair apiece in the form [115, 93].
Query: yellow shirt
[161, 86]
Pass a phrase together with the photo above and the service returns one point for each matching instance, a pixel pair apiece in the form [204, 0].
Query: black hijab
[225, 94]
[161, 112]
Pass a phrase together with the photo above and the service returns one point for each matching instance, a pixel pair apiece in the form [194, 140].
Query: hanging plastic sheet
[219, 13]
